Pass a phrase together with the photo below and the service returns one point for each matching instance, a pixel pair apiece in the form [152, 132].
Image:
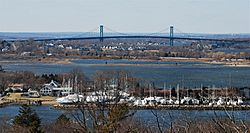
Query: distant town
[152, 49]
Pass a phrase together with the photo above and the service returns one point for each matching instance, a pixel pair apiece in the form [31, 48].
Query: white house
[62, 91]
[15, 88]
[33, 93]
[55, 89]
[47, 89]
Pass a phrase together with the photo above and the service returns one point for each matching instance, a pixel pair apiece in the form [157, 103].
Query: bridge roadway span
[128, 37]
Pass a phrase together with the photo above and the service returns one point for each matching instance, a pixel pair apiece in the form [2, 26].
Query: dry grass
[17, 97]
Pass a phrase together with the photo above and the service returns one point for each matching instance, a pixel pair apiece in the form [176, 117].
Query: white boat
[158, 99]
[170, 101]
[163, 101]
[239, 101]
[186, 100]
[221, 101]
[74, 98]
[177, 102]
[231, 102]
[138, 102]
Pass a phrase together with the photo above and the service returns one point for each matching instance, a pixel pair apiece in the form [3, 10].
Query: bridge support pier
[101, 33]
[171, 37]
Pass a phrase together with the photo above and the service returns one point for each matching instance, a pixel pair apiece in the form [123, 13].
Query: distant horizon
[63, 35]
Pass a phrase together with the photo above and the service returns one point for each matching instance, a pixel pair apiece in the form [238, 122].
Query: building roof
[62, 88]
[53, 84]
[16, 85]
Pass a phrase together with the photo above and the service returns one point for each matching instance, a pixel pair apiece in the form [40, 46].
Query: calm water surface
[189, 74]
[49, 114]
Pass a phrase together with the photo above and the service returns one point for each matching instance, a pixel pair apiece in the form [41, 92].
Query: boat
[70, 99]
[239, 101]
[170, 101]
[221, 101]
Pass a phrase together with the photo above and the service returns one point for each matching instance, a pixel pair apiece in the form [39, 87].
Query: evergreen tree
[27, 118]
[62, 119]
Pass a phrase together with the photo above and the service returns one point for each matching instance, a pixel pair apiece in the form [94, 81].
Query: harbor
[136, 66]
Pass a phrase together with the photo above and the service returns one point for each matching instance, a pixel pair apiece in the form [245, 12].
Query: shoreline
[16, 100]
[145, 107]
[68, 61]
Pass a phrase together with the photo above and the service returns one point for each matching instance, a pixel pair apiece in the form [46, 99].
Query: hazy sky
[197, 16]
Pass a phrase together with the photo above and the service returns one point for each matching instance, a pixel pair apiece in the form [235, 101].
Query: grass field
[17, 97]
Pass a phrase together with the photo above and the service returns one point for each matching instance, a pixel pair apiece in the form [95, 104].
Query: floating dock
[170, 107]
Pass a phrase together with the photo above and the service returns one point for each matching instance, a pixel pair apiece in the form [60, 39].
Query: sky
[188, 16]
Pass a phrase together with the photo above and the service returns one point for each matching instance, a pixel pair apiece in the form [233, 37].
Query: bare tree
[106, 113]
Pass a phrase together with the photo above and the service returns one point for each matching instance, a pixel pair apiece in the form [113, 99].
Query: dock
[169, 107]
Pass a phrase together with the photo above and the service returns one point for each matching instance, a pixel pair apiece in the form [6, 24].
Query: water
[46, 113]
[188, 74]
[168, 116]
[49, 114]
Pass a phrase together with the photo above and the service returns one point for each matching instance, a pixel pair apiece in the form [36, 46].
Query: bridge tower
[101, 33]
[171, 37]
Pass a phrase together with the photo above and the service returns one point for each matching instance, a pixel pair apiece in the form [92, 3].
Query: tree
[62, 124]
[62, 119]
[115, 115]
[78, 80]
[106, 113]
[28, 118]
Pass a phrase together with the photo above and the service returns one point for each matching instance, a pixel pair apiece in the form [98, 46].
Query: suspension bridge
[167, 33]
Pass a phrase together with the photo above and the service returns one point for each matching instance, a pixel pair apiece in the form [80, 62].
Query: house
[31, 93]
[55, 89]
[48, 88]
[15, 88]
[62, 91]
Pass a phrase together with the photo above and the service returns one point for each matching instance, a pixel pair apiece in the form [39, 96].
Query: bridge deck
[128, 37]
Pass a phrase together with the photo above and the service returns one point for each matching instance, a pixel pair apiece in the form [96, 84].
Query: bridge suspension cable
[114, 31]
[158, 32]
[92, 32]
[184, 34]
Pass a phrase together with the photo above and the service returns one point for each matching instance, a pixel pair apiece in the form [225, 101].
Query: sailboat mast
[170, 93]
[178, 93]
[164, 90]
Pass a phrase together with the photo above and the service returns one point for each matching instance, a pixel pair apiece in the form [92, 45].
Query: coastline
[68, 61]
[171, 107]
[56, 105]
[16, 99]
